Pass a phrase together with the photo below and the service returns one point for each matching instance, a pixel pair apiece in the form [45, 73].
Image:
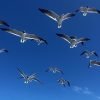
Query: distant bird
[25, 36]
[28, 78]
[88, 54]
[54, 70]
[58, 18]
[72, 40]
[4, 23]
[86, 10]
[63, 82]
[3, 50]
[94, 63]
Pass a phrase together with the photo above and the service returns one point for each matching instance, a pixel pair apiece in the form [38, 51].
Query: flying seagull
[58, 18]
[54, 70]
[94, 63]
[3, 50]
[4, 23]
[25, 36]
[63, 82]
[86, 10]
[28, 78]
[88, 54]
[72, 40]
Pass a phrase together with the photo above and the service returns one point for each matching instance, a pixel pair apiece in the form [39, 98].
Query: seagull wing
[35, 37]
[4, 23]
[83, 52]
[68, 83]
[93, 10]
[13, 31]
[68, 15]
[65, 37]
[82, 40]
[21, 73]
[95, 54]
[50, 14]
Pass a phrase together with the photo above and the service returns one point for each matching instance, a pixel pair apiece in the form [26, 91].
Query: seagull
[25, 36]
[86, 10]
[94, 63]
[72, 40]
[54, 70]
[3, 50]
[58, 18]
[88, 54]
[63, 82]
[4, 23]
[28, 78]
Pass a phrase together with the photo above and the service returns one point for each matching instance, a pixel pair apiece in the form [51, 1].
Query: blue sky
[24, 15]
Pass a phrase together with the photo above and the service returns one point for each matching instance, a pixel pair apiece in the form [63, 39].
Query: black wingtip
[42, 10]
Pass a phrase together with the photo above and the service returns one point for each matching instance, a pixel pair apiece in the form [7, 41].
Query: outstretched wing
[95, 54]
[93, 10]
[83, 52]
[50, 13]
[13, 31]
[68, 15]
[83, 40]
[35, 37]
[65, 37]
[22, 73]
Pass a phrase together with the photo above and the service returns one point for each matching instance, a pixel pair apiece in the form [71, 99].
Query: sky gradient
[31, 58]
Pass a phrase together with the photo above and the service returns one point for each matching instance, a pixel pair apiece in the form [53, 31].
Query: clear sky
[24, 15]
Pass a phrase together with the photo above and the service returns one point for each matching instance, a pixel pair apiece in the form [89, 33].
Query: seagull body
[63, 82]
[4, 23]
[58, 18]
[86, 10]
[25, 36]
[54, 70]
[94, 63]
[3, 50]
[72, 40]
[28, 78]
[88, 54]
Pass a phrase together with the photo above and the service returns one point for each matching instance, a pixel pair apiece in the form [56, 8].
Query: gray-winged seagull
[88, 54]
[28, 78]
[58, 18]
[86, 10]
[63, 82]
[72, 40]
[25, 36]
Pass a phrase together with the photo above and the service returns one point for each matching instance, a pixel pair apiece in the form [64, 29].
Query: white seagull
[54, 70]
[88, 54]
[63, 82]
[25, 36]
[28, 78]
[86, 10]
[94, 63]
[72, 40]
[58, 18]
[4, 23]
[3, 50]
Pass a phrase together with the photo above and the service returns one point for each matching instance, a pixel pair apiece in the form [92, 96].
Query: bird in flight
[25, 36]
[72, 40]
[54, 70]
[86, 10]
[58, 18]
[88, 54]
[28, 78]
[63, 82]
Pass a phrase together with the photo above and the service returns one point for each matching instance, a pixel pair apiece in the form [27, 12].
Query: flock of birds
[72, 40]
